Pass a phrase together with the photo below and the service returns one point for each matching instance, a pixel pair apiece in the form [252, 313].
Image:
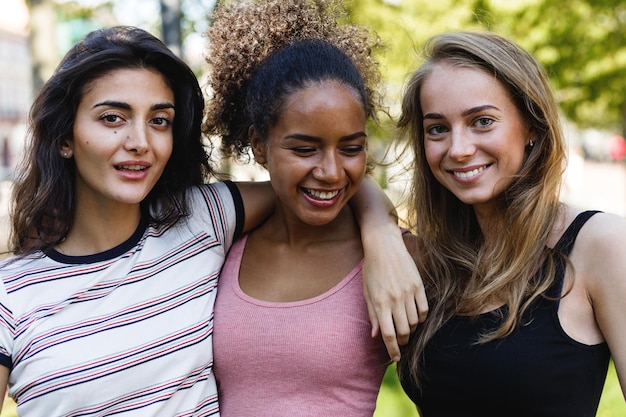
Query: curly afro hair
[244, 34]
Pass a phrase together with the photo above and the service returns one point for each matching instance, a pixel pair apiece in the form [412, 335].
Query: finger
[374, 321]
[412, 315]
[403, 324]
[371, 312]
[387, 330]
[422, 306]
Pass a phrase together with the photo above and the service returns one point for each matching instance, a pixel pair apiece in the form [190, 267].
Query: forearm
[372, 207]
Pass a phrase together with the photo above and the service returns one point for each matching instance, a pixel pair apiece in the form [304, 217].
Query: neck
[293, 232]
[95, 232]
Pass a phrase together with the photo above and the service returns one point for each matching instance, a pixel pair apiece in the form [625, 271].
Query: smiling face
[316, 151]
[122, 137]
[474, 135]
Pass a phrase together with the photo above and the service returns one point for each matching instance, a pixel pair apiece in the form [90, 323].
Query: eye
[303, 151]
[435, 130]
[161, 121]
[111, 118]
[484, 122]
[353, 149]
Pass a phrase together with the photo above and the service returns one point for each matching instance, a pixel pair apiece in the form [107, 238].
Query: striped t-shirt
[124, 332]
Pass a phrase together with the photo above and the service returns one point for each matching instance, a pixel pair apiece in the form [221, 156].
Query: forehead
[125, 77]
[130, 85]
[323, 93]
[454, 86]
[321, 110]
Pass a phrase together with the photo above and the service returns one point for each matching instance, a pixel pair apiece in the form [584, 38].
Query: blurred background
[581, 43]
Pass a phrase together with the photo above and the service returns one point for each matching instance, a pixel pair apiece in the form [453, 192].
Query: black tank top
[537, 371]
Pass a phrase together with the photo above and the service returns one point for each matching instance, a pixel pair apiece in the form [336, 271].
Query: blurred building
[15, 81]
[15, 95]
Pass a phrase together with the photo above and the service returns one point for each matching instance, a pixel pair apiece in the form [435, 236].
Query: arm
[393, 289]
[4, 379]
[607, 286]
[259, 201]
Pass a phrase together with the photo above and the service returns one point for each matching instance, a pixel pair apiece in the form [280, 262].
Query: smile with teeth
[131, 167]
[321, 195]
[468, 174]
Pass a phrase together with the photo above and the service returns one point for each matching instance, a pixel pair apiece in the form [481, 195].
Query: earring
[532, 143]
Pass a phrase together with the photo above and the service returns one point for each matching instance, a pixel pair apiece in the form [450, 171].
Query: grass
[392, 402]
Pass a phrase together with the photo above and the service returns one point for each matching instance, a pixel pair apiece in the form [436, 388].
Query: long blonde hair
[463, 273]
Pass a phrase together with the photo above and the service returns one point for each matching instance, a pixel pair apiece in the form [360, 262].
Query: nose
[461, 145]
[137, 139]
[327, 168]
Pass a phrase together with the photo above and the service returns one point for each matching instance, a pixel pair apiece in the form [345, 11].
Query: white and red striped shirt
[125, 332]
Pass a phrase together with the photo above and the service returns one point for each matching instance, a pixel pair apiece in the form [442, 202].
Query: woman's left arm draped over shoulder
[606, 254]
[393, 288]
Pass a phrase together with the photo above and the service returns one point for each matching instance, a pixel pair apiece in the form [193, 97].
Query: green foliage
[582, 44]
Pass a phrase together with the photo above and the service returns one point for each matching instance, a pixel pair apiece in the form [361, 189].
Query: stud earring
[532, 143]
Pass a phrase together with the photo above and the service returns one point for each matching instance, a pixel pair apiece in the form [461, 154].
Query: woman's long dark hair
[44, 191]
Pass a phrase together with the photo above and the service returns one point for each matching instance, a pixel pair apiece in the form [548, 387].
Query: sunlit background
[582, 44]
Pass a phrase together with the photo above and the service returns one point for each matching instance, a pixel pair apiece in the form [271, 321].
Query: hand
[393, 289]
[392, 285]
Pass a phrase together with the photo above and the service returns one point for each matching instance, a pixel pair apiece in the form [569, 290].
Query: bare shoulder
[604, 233]
[599, 255]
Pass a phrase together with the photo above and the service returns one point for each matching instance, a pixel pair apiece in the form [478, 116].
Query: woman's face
[122, 137]
[474, 135]
[316, 152]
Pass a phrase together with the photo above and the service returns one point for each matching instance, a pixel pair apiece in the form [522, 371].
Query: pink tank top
[312, 357]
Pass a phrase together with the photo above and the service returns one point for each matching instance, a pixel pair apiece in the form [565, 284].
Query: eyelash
[107, 116]
[484, 119]
[166, 121]
[163, 121]
[349, 150]
[480, 122]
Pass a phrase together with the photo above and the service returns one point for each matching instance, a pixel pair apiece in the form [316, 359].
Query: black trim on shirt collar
[107, 254]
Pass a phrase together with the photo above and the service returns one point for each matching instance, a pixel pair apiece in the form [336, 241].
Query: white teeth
[321, 195]
[133, 167]
[468, 174]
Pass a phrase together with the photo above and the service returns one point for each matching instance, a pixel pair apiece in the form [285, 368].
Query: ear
[66, 149]
[257, 145]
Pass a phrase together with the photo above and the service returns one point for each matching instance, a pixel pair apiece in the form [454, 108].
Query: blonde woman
[527, 294]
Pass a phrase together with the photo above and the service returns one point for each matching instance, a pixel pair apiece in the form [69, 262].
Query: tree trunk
[170, 23]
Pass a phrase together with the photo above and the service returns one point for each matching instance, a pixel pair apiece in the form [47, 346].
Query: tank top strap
[566, 242]
[564, 246]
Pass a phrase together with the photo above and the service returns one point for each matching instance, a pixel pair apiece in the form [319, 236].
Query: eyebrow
[300, 136]
[122, 105]
[467, 112]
